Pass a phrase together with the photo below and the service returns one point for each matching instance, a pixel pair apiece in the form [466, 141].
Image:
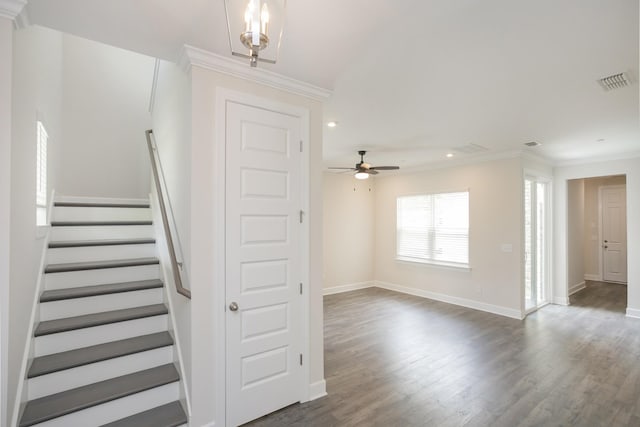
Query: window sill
[440, 264]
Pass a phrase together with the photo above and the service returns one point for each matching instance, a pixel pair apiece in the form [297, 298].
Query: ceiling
[415, 80]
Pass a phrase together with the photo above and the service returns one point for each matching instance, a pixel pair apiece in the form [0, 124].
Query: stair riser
[99, 253]
[103, 276]
[64, 213]
[94, 232]
[97, 304]
[76, 377]
[54, 343]
[117, 409]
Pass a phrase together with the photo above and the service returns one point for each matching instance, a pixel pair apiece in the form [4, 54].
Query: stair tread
[169, 415]
[92, 223]
[66, 402]
[96, 265]
[100, 205]
[96, 353]
[88, 320]
[95, 290]
[107, 242]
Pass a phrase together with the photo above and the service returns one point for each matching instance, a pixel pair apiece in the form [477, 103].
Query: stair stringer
[22, 391]
[174, 301]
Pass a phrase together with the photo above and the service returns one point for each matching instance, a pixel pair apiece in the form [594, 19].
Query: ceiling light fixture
[259, 24]
[332, 124]
[449, 155]
[361, 175]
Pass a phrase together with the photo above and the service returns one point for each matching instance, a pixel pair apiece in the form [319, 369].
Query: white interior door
[263, 317]
[614, 233]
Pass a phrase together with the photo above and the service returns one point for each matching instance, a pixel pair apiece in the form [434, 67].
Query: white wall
[105, 114]
[495, 203]
[592, 244]
[348, 231]
[575, 234]
[6, 61]
[630, 167]
[205, 279]
[37, 88]
[171, 123]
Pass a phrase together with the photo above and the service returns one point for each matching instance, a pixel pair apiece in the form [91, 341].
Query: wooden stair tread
[100, 223]
[96, 265]
[67, 402]
[109, 242]
[89, 320]
[169, 415]
[100, 205]
[95, 290]
[96, 353]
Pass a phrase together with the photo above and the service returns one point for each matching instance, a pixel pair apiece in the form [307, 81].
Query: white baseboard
[633, 312]
[593, 277]
[476, 305]
[317, 390]
[577, 288]
[347, 288]
[561, 300]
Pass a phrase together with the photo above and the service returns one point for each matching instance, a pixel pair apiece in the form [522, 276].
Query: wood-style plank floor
[397, 360]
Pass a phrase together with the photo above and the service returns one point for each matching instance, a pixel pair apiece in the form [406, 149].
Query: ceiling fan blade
[385, 168]
[371, 172]
[352, 169]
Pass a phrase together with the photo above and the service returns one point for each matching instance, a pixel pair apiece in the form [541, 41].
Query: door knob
[233, 306]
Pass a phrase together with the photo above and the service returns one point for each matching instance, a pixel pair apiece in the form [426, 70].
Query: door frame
[223, 96]
[601, 227]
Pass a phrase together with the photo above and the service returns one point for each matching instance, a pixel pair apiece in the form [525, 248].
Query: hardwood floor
[397, 360]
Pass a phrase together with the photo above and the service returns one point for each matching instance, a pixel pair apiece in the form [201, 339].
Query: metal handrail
[175, 265]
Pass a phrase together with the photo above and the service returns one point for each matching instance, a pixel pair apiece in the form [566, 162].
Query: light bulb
[361, 175]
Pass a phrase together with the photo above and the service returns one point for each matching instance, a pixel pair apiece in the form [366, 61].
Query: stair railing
[176, 266]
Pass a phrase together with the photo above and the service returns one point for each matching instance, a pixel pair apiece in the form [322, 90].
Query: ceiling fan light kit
[257, 26]
[363, 169]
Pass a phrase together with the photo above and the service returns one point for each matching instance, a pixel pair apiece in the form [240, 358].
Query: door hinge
[300, 359]
[300, 288]
[301, 214]
[301, 146]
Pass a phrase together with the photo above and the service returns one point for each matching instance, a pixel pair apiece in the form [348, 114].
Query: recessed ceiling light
[532, 144]
[332, 124]
[449, 155]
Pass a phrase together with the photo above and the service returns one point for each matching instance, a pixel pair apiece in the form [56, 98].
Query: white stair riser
[97, 232]
[71, 279]
[99, 253]
[67, 213]
[77, 377]
[97, 304]
[117, 409]
[63, 341]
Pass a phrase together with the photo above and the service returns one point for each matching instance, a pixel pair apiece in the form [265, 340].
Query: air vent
[470, 149]
[532, 144]
[616, 81]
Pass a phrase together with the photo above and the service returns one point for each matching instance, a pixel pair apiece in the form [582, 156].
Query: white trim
[11, 8]
[224, 95]
[599, 159]
[561, 300]
[80, 199]
[593, 277]
[347, 288]
[463, 302]
[191, 56]
[577, 288]
[633, 312]
[317, 390]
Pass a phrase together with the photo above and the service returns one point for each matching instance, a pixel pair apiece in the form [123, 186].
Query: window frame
[432, 261]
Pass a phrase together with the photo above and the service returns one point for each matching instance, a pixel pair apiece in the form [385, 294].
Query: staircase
[103, 355]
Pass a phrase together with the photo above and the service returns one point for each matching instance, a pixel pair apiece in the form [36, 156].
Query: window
[41, 174]
[434, 228]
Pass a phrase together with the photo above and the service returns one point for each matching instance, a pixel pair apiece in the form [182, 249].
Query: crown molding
[599, 159]
[193, 56]
[11, 8]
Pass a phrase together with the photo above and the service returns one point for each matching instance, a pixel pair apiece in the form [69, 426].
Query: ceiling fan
[363, 170]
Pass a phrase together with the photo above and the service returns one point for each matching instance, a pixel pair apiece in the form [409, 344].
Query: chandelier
[255, 29]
